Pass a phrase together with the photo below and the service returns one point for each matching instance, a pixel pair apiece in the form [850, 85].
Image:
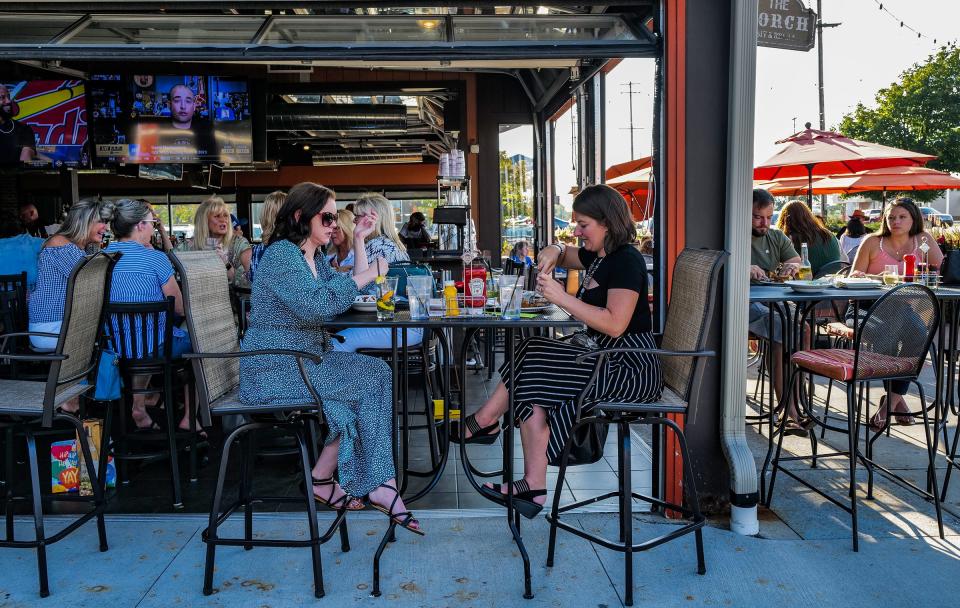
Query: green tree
[921, 112]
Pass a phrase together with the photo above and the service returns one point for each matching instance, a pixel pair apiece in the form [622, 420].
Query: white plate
[858, 283]
[365, 303]
[534, 308]
[807, 286]
[365, 306]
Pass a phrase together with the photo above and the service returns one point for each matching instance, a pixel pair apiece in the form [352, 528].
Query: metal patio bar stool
[695, 276]
[31, 408]
[213, 333]
[891, 343]
[144, 347]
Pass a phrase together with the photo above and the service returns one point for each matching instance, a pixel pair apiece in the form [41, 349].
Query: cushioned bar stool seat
[838, 364]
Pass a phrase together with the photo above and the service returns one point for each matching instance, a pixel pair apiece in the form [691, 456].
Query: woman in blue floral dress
[295, 293]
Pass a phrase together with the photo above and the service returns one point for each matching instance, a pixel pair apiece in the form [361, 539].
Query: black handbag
[587, 445]
[950, 267]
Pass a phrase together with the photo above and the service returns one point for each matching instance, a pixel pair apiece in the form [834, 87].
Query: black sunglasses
[328, 219]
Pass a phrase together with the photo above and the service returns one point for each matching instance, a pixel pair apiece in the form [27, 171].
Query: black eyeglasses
[328, 219]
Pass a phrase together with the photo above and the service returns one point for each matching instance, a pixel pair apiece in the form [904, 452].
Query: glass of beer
[891, 274]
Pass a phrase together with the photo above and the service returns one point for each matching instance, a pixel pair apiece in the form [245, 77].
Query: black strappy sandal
[482, 436]
[522, 498]
[342, 503]
[403, 518]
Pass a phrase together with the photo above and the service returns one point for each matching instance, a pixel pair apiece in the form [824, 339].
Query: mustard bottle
[450, 299]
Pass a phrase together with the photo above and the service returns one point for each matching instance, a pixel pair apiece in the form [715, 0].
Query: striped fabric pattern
[139, 276]
[548, 375]
[54, 266]
[837, 363]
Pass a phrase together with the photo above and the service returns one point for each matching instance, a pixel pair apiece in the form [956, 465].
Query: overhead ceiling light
[428, 24]
[306, 146]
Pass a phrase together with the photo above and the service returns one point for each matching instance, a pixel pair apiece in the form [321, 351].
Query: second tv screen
[170, 119]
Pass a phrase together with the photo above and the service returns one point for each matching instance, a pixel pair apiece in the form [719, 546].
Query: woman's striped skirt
[548, 376]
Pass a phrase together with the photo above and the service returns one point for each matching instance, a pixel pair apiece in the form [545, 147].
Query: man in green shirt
[771, 250]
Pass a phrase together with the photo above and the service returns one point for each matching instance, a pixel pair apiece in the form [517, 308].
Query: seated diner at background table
[81, 230]
[414, 233]
[268, 215]
[901, 233]
[612, 303]
[340, 251]
[143, 274]
[382, 242]
[212, 230]
[800, 225]
[772, 252]
[295, 292]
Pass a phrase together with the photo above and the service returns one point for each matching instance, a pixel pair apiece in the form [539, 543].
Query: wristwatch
[561, 246]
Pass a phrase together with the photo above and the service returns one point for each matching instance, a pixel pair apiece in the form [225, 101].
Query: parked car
[873, 215]
[945, 219]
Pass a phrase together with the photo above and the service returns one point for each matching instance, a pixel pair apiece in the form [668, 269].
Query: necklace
[588, 275]
[8, 131]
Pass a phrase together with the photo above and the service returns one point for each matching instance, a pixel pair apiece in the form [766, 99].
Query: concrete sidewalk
[467, 559]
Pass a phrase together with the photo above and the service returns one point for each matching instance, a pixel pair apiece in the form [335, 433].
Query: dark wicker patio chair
[890, 344]
[27, 407]
[695, 280]
[213, 332]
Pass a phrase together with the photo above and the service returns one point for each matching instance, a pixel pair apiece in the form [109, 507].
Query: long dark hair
[307, 198]
[607, 206]
[801, 225]
[915, 215]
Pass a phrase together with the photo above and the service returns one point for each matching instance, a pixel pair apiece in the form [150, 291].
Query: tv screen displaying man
[17, 142]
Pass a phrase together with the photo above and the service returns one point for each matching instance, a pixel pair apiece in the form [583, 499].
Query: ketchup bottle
[909, 267]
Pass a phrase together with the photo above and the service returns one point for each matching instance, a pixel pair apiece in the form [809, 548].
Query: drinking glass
[891, 274]
[387, 298]
[511, 295]
[419, 292]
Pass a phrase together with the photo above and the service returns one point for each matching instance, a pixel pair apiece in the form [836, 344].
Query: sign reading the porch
[785, 24]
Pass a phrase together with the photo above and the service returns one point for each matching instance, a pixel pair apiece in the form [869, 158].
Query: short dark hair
[761, 198]
[307, 198]
[915, 215]
[855, 227]
[607, 206]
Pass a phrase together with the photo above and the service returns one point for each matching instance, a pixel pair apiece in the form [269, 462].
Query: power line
[906, 25]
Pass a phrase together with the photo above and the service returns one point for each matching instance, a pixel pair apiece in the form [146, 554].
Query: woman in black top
[612, 302]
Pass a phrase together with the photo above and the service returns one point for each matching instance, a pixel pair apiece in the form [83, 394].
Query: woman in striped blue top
[84, 226]
[142, 274]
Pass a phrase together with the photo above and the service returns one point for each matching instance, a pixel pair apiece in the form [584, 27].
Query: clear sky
[867, 52]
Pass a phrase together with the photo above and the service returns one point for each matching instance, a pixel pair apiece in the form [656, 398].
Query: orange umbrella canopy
[887, 178]
[628, 167]
[634, 185]
[813, 152]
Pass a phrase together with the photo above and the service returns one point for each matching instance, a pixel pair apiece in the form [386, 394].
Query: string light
[903, 24]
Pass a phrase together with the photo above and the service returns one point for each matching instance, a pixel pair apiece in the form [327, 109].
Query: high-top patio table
[777, 296]
[552, 318]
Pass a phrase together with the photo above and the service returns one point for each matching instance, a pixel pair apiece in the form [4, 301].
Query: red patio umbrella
[632, 180]
[812, 152]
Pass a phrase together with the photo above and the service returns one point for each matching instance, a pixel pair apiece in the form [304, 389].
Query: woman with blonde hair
[212, 230]
[341, 254]
[268, 216]
[384, 241]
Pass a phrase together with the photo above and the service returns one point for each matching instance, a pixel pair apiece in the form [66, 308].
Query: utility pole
[630, 92]
[823, 119]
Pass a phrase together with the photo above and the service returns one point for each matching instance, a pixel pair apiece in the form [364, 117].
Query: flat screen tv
[150, 119]
[55, 112]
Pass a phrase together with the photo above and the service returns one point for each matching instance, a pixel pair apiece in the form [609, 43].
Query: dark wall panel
[708, 52]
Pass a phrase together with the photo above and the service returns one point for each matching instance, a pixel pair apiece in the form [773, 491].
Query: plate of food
[808, 286]
[533, 302]
[859, 283]
[365, 303]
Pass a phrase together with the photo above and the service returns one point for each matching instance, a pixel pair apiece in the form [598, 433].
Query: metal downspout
[740, 121]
